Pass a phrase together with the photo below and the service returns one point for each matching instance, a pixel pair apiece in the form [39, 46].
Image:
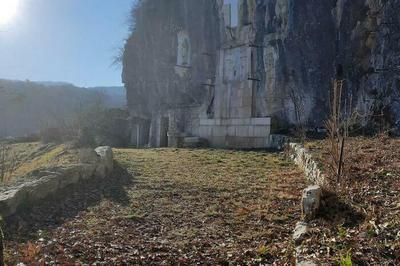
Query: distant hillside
[116, 96]
[26, 107]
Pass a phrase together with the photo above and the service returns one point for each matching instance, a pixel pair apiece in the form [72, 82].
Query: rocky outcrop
[97, 164]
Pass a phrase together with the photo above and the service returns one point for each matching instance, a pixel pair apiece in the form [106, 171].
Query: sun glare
[8, 8]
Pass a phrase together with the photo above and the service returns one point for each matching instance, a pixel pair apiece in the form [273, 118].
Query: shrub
[346, 260]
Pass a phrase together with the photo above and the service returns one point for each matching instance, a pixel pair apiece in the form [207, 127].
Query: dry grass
[28, 157]
[187, 207]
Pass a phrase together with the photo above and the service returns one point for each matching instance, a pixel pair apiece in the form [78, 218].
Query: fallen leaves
[182, 207]
[371, 189]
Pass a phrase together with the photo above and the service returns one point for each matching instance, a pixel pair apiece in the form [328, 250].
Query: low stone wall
[311, 198]
[303, 158]
[98, 163]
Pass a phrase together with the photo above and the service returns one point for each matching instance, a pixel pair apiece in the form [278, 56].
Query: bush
[91, 127]
[52, 134]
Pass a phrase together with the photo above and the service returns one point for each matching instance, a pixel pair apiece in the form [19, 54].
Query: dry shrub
[336, 126]
[30, 252]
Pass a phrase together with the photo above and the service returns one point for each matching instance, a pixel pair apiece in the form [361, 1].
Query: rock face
[234, 71]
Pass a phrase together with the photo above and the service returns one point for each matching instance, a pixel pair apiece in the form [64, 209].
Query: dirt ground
[362, 221]
[168, 207]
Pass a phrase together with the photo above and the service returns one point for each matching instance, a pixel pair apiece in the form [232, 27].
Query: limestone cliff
[163, 31]
[245, 59]
[309, 42]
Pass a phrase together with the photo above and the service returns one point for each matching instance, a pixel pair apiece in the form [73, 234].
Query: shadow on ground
[66, 204]
[337, 211]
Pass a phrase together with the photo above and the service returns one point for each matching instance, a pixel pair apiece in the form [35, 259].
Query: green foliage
[342, 232]
[133, 217]
[263, 252]
[100, 126]
[346, 260]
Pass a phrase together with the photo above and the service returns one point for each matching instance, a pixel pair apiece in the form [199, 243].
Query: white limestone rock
[300, 232]
[310, 202]
[106, 157]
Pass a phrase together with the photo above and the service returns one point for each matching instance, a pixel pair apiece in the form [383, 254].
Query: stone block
[9, 201]
[231, 131]
[106, 157]
[242, 131]
[300, 232]
[259, 143]
[237, 142]
[88, 171]
[240, 121]
[251, 131]
[218, 122]
[205, 131]
[219, 131]
[261, 121]
[207, 122]
[101, 171]
[310, 201]
[261, 131]
[87, 156]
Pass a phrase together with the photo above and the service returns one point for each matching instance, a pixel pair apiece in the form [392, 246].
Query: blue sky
[65, 40]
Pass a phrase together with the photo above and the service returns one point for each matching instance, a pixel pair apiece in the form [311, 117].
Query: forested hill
[26, 107]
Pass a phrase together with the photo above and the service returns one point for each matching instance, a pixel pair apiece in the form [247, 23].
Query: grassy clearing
[186, 207]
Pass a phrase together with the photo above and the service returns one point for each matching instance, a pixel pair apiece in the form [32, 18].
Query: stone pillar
[174, 135]
[134, 137]
[173, 139]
